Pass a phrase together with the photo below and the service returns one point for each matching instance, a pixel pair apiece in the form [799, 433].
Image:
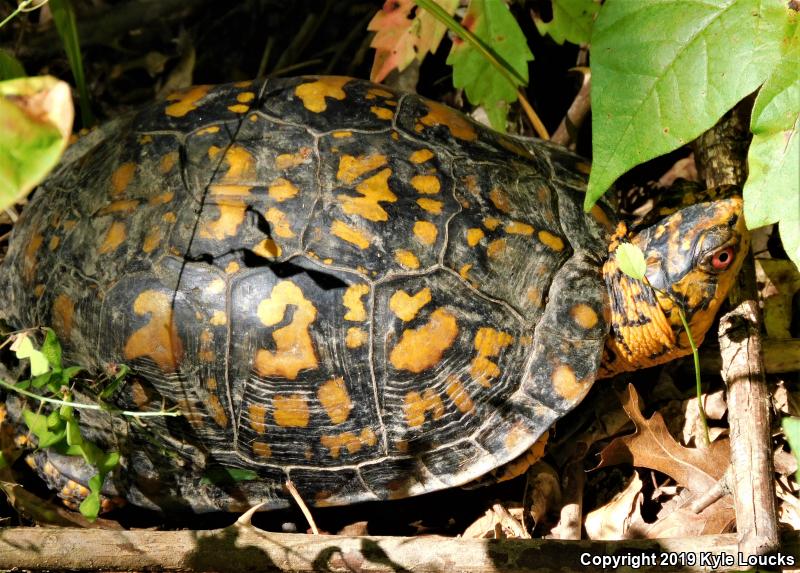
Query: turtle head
[693, 255]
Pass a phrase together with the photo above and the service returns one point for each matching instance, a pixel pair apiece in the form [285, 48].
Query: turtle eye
[722, 259]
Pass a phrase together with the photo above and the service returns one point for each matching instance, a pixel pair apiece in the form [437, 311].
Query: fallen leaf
[613, 520]
[652, 446]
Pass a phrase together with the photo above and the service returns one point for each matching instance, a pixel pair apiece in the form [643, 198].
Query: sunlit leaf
[35, 121]
[10, 67]
[631, 260]
[664, 71]
[572, 21]
[39, 363]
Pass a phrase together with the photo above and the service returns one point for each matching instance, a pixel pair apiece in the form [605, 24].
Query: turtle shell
[362, 291]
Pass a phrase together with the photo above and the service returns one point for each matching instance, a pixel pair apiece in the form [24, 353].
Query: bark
[721, 158]
[242, 548]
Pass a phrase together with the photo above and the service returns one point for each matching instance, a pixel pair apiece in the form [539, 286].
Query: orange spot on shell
[459, 396]
[500, 200]
[416, 405]
[30, 257]
[158, 339]
[518, 228]
[114, 237]
[335, 400]
[350, 234]
[121, 178]
[426, 184]
[63, 313]
[294, 347]
[279, 223]
[374, 190]
[422, 348]
[458, 125]
[239, 108]
[426, 232]
[352, 167]
[291, 411]
[288, 160]
[496, 248]
[348, 441]
[421, 156]
[407, 259]
[185, 101]
[406, 307]
[382, 112]
[261, 449]
[474, 236]
[551, 240]
[167, 162]
[584, 315]
[257, 415]
[489, 343]
[353, 303]
[431, 205]
[356, 337]
[314, 94]
[566, 384]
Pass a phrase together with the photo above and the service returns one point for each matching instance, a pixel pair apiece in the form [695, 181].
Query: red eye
[722, 259]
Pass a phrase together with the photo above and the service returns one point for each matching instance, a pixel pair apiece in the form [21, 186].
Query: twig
[567, 132]
[303, 507]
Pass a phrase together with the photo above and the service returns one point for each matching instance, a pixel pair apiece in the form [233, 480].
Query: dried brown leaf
[652, 446]
[614, 519]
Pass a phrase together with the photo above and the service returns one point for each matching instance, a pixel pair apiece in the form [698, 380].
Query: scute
[336, 283]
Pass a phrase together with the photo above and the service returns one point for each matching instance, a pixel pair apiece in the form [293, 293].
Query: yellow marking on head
[374, 190]
[551, 240]
[257, 414]
[119, 206]
[294, 346]
[489, 343]
[208, 130]
[114, 237]
[219, 318]
[313, 94]
[268, 249]
[584, 315]
[291, 411]
[496, 248]
[341, 134]
[406, 307]
[185, 101]
[217, 411]
[348, 441]
[439, 114]
[426, 184]
[356, 337]
[406, 258]
[350, 234]
[167, 162]
[521, 465]
[423, 347]
[500, 200]
[55, 240]
[161, 198]
[474, 236]
[416, 405]
[121, 178]
[63, 313]
[289, 160]
[430, 205]
[279, 224]
[239, 108]
[245, 97]
[382, 112]
[216, 286]
[421, 155]
[567, 385]
[426, 232]
[158, 339]
[491, 223]
[261, 449]
[518, 228]
[353, 303]
[335, 399]
[353, 167]
[459, 395]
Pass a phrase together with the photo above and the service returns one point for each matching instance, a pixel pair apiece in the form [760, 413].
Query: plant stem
[696, 357]
[20, 8]
[79, 405]
[508, 72]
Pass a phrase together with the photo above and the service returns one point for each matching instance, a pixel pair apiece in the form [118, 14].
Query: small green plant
[59, 429]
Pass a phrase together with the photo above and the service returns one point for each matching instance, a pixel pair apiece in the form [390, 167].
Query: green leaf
[631, 260]
[90, 507]
[791, 429]
[664, 71]
[572, 21]
[10, 67]
[3, 461]
[108, 462]
[37, 121]
[69, 373]
[219, 475]
[52, 349]
[39, 363]
[74, 437]
[64, 18]
[493, 24]
[38, 425]
[772, 190]
[42, 379]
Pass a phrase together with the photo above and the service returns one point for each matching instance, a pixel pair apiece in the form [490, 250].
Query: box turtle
[362, 291]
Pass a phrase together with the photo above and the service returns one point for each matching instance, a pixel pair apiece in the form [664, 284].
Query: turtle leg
[68, 477]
